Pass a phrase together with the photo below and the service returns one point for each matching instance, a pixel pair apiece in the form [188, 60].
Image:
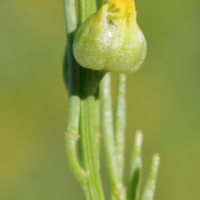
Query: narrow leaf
[135, 169]
[149, 189]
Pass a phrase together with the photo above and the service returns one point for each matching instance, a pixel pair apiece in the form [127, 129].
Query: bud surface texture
[110, 39]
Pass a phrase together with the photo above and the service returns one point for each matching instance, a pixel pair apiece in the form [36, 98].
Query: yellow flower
[119, 9]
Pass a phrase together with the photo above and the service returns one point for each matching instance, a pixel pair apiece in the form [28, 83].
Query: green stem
[91, 7]
[89, 143]
[120, 122]
[71, 135]
[81, 11]
[71, 138]
[99, 3]
[94, 84]
[97, 125]
[108, 140]
[89, 158]
[70, 16]
[134, 180]
[86, 8]
[89, 176]
[150, 186]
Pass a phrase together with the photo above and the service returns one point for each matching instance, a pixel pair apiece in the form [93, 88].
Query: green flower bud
[110, 39]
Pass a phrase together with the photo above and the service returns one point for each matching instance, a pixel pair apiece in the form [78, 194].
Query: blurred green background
[163, 100]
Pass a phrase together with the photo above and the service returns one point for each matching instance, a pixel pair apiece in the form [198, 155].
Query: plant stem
[120, 122]
[134, 180]
[88, 175]
[89, 158]
[108, 139]
[94, 84]
[88, 121]
[71, 135]
[150, 186]
[85, 9]
[97, 125]
[99, 3]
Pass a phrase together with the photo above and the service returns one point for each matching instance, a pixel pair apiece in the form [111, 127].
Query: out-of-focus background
[163, 100]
